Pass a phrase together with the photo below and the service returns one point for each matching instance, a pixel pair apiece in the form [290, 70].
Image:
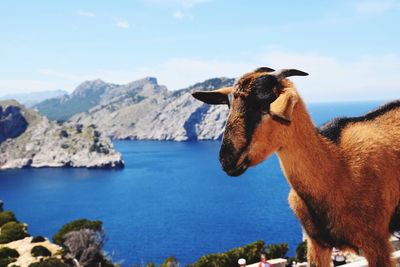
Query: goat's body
[344, 177]
[360, 183]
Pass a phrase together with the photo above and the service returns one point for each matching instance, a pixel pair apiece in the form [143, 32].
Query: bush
[49, 263]
[301, 252]
[99, 148]
[7, 256]
[170, 262]
[37, 251]
[6, 253]
[5, 262]
[76, 226]
[63, 133]
[12, 231]
[7, 216]
[277, 251]
[38, 239]
[250, 252]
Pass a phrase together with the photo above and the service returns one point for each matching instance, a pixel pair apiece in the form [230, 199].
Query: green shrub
[49, 263]
[301, 252]
[250, 252]
[7, 216]
[5, 262]
[63, 133]
[38, 239]
[12, 231]
[8, 253]
[76, 226]
[170, 262]
[151, 264]
[277, 251]
[7, 256]
[37, 251]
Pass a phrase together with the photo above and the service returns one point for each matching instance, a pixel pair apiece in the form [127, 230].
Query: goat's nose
[227, 156]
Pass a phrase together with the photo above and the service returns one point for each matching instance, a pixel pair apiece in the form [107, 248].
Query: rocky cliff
[146, 110]
[28, 139]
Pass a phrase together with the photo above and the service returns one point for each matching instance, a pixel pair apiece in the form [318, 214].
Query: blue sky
[350, 48]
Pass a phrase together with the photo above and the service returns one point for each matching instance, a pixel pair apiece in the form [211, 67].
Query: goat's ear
[216, 97]
[283, 106]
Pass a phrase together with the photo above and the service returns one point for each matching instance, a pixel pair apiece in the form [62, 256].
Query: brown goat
[344, 177]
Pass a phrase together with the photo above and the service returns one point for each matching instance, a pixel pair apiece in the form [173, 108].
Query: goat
[344, 177]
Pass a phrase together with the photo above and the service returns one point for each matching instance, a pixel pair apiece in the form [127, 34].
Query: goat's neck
[310, 163]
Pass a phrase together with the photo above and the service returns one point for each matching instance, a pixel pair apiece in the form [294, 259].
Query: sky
[351, 49]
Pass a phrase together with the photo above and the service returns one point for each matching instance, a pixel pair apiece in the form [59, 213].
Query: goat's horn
[283, 73]
[264, 69]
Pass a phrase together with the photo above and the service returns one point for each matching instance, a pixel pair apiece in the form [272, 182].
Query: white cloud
[121, 23]
[181, 3]
[365, 78]
[377, 7]
[178, 14]
[331, 79]
[84, 13]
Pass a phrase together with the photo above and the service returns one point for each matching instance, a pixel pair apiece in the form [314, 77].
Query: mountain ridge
[144, 110]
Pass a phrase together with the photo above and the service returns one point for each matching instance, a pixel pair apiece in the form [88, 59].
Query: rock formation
[28, 139]
[144, 109]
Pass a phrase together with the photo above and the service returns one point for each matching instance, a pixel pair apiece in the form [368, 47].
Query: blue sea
[172, 198]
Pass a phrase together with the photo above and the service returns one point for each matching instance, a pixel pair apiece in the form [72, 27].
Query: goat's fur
[345, 180]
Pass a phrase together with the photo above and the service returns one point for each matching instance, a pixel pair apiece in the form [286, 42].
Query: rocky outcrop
[12, 122]
[24, 247]
[33, 141]
[145, 110]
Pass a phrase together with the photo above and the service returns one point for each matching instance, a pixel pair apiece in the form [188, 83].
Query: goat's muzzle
[232, 161]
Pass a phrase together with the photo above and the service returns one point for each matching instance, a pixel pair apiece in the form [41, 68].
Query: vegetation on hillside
[249, 252]
[7, 255]
[52, 262]
[76, 225]
[7, 216]
[38, 251]
[12, 231]
[83, 241]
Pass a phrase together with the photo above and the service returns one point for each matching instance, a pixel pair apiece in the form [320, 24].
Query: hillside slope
[28, 139]
[146, 110]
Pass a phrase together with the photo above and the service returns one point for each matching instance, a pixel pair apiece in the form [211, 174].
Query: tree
[85, 246]
[277, 251]
[250, 252]
[301, 252]
[12, 231]
[75, 226]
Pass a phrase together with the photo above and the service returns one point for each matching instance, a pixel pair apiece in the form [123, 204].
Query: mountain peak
[86, 88]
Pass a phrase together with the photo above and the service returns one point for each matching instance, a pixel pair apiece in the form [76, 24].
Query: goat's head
[261, 108]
